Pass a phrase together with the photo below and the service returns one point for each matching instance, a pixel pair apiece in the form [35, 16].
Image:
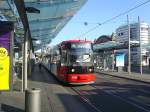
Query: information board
[5, 55]
[120, 59]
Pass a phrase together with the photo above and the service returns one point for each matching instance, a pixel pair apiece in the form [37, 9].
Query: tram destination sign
[6, 29]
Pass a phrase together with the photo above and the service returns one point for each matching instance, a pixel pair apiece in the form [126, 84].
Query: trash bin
[32, 100]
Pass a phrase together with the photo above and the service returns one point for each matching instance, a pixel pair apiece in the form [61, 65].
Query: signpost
[6, 29]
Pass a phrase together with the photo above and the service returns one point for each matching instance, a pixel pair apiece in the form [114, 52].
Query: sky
[95, 12]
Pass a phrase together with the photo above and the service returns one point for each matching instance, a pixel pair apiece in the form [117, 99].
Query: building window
[144, 28]
[121, 33]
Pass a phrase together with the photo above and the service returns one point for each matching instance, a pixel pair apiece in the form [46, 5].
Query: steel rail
[140, 90]
[86, 100]
[123, 99]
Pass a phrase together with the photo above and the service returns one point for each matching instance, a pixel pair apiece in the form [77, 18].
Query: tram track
[124, 99]
[113, 91]
[107, 99]
[141, 106]
[131, 82]
[86, 100]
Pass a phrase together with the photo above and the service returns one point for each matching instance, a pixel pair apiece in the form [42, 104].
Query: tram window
[80, 58]
[64, 58]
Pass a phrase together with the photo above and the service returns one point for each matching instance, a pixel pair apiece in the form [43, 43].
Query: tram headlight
[90, 70]
[72, 70]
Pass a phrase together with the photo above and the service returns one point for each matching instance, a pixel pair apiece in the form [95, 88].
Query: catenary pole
[141, 69]
[129, 47]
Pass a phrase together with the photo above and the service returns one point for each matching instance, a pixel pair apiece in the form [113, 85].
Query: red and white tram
[72, 62]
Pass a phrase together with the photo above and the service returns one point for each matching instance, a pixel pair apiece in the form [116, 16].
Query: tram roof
[45, 18]
[74, 41]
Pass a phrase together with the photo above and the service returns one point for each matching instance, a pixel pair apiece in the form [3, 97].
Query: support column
[104, 63]
[25, 61]
[22, 72]
[113, 60]
[29, 57]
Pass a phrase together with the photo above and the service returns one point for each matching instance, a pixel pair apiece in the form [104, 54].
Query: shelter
[43, 18]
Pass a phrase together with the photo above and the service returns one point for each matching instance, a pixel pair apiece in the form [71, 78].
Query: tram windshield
[80, 58]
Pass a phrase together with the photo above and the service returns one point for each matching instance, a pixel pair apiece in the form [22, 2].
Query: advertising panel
[120, 59]
[5, 55]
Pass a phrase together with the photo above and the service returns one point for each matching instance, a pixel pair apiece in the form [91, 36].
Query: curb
[125, 77]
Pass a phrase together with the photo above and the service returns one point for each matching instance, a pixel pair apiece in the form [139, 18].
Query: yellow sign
[3, 53]
[4, 69]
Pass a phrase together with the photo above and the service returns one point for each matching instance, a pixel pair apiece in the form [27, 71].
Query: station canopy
[45, 17]
[113, 45]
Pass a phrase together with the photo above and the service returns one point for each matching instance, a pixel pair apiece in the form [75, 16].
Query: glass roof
[53, 16]
[7, 11]
[44, 26]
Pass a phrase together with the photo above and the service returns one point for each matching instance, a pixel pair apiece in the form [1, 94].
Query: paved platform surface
[54, 97]
[145, 77]
[14, 101]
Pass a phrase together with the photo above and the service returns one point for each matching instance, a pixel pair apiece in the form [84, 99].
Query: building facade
[104, 59]
[136, 31]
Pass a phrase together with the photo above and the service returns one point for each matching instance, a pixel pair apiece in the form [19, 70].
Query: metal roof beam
[42, 29]
[49, 3]
[47, 19]
[22, 12]
[42, 35]
[21, 9]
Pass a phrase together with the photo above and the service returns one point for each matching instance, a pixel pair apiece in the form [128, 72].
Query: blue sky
[98, 11]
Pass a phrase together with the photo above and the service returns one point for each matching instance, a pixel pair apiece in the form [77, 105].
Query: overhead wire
[121, 14]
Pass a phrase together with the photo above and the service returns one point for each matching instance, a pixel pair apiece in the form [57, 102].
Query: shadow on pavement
[8, 108]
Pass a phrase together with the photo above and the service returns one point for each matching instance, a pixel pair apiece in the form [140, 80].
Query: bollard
[32, 100]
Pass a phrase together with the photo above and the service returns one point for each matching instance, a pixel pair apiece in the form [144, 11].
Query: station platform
[14, 101]
[144, 77]
[54, 96]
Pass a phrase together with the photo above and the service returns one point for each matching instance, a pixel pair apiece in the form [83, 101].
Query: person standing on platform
[40, 64]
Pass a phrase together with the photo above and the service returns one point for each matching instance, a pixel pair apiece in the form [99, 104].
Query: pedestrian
[40, 66]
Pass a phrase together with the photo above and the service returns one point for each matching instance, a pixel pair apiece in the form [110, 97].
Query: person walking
[40, 65]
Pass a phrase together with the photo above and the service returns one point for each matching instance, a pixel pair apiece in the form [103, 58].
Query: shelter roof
[45, 17]
[113, 45]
